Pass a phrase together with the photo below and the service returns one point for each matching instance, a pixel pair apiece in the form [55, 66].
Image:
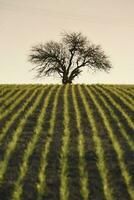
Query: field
[73, 142]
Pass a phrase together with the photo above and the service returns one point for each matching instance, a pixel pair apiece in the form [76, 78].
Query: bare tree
[68, 57]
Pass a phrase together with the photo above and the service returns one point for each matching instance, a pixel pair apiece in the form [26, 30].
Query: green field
[73, 142]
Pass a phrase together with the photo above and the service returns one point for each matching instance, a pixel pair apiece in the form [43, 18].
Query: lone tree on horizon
[68, 57]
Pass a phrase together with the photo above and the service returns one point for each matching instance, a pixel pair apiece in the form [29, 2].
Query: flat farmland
[71, 142]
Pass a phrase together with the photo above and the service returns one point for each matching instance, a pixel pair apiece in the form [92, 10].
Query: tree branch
[71, 59]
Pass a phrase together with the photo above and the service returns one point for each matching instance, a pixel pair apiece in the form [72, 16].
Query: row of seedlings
[16, 134]
[118, 107]
[101, 162]
[121, 96]
[9, 99]
[64, 187]
[116, 145]
[17, 115]
[17, 103]
[127, 92]
[15, 161]
[116, 118]
[18, 189]
[81, 140]
[41, 185]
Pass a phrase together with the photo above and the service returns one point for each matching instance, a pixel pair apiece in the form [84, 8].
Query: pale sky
[23, 24]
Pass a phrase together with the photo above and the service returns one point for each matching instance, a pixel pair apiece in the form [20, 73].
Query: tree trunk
[66, 81]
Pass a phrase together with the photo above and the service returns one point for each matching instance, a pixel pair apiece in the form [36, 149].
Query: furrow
[6, 93]
[81, 140]
[29, 149]
[15, 104]
[117, 120]
[14, 117]
[120, 96]
[8, 96]
[16, 134]
[41, 185]
[117, 106]
[116, 145]
[127, 92]
[98, 147]
[64, 193]
[52, 170]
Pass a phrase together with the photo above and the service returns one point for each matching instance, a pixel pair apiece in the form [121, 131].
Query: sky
[29, 22]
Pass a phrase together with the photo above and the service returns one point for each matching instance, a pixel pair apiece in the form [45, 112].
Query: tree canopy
[69, 57]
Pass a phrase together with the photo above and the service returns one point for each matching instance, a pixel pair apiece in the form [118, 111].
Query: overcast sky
[23, 24]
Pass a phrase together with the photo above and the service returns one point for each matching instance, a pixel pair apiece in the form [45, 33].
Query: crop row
[95, 134]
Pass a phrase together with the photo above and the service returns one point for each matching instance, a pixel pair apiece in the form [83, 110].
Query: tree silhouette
[68, 57]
